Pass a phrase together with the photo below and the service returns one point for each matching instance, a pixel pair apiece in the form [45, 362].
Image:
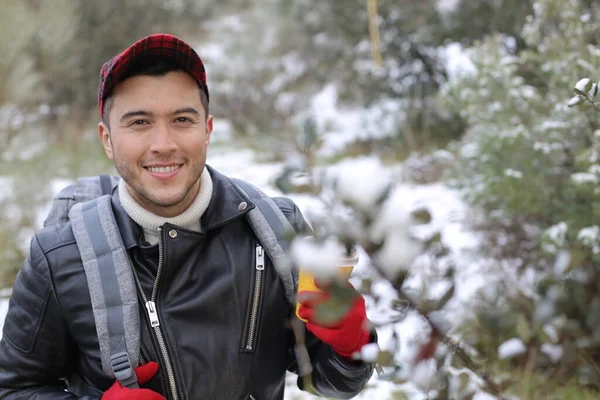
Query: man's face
[158, 140]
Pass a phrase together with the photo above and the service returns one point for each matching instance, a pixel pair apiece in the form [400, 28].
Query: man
[192, 253]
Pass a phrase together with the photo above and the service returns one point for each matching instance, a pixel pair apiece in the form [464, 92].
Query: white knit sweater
[189, 219]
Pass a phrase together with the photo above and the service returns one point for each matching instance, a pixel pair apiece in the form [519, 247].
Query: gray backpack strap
[106, 184]
[272, 228]
[91, 187]
[111, 286]
[84, 189]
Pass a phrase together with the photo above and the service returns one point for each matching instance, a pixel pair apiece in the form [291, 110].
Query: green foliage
[529, 164]
[318, 44]
[470, 21]
[22, 196]
[408, 36]
[525, 150]
[11, 253]
[329, 41]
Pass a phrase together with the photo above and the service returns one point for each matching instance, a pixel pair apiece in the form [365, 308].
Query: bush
[529, 165]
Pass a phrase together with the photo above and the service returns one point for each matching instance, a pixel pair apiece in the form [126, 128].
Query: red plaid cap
[153, 46]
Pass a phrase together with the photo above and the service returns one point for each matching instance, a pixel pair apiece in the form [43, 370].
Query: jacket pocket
[251, 326]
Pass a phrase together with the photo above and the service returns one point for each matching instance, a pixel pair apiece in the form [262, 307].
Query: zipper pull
[152, 314]
[260, 258]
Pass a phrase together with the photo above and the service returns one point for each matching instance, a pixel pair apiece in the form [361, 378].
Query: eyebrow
[135, 113]
[142, 113]
[187, 110]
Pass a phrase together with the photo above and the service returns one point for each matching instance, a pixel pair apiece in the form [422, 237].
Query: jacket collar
[226, 204]
[131, 233]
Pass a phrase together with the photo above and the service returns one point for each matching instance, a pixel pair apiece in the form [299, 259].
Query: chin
[166, 201]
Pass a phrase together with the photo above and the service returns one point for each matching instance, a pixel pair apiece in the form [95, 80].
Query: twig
[374, 32]
[588, 357]
[455, 346]
[302, 357]
[529, 371]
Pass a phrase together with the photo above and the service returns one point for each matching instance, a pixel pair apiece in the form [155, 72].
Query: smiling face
[158, 139]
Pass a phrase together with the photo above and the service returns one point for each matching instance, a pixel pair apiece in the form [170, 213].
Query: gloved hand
[346, 336]
[144, 373]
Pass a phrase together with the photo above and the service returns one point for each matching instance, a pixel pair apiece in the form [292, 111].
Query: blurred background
[471, 95]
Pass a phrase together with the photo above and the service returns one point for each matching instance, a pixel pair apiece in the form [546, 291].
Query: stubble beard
[145, 196]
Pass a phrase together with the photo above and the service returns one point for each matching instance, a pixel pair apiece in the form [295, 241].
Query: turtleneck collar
[150, 222]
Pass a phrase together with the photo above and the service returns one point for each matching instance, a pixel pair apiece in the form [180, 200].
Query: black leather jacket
[204, 297]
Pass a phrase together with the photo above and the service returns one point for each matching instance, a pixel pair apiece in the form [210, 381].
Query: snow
[511, 348]
[549, 125]
[582, 85]
[589, 236]
[5, 184]
[361, 182]
[513, 173]
[547, 148]
[445, 6]
[320, 259]
[584, 178]
[554, 352]
[394, 223]
[576, 100]
[4, 295]
[561, 264]
[555, 237]
[423, 373]
[551, 332]
[56, 186]
[398, 252]
[369, 352]
[458, 61]
[341, 126]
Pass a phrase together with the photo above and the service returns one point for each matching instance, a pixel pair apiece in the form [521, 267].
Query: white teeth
[163, 170]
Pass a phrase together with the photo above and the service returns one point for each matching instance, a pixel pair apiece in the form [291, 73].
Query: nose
[162, 139]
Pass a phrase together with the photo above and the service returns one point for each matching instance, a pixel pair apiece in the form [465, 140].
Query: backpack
[87, 205]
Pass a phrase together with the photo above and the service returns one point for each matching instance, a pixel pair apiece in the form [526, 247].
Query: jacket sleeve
[35, 347]
[332, 375]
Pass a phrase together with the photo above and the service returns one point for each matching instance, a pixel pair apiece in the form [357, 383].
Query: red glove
[346, 336]
[144, 374]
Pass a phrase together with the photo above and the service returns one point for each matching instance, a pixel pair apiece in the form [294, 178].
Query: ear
[209, 129]
[104, 134]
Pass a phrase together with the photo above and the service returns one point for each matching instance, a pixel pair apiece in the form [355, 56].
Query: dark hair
[152, 67]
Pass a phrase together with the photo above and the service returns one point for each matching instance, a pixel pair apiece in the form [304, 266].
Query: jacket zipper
[253, 324]
[154, 321]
